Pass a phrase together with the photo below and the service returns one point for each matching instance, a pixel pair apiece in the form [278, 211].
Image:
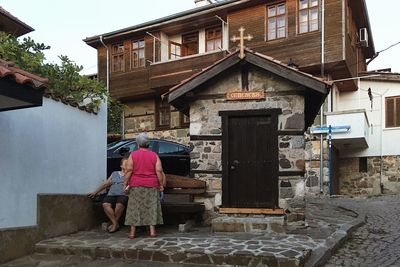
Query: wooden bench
[178, 206]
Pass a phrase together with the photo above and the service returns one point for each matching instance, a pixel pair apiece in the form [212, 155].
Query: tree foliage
[114, 116]
[64, 79]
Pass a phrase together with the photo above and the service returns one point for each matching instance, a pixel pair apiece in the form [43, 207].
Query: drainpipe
[321, 159]
[108, 64]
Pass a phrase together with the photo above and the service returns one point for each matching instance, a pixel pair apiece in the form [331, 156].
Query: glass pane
[141, 43]
[167, 148]
[178, 50]
[120, 48]
[271, 11]
[281, 33]
[271, 35]
[314, 14]
[141, 53]
[272, 24]
[281, 9]
[135, 45]
[218, 44]
[313, 3]
[281, 22]
[141, 62]
[132, 147]
[303, 16]
[313, 25]
[210, 45]
[303, 4]
[303, 27]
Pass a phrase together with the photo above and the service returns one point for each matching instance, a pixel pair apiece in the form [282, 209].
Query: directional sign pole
[329, 130]
[330, 159]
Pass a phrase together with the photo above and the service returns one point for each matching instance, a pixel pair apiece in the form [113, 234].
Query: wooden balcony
[145, 81]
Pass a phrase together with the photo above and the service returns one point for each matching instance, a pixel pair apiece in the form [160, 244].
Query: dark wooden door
[250, 159]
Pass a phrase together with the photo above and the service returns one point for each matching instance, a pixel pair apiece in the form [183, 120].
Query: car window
[168, 148]
[116, 144]
[152, 146]
[131, 146]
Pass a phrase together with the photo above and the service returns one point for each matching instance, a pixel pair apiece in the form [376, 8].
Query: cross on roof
[241, 38]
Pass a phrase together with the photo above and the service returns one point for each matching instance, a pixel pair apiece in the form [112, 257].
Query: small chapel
[248, 115]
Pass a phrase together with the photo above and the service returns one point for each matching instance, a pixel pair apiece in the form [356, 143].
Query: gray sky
[63, 24]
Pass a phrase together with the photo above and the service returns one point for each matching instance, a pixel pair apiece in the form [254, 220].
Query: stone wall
[140, 117]
[312, 166]
[176, 135]
[58, 214]
[354, 182]
[204, 120]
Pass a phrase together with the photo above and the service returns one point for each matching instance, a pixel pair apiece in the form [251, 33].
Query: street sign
[334, 129]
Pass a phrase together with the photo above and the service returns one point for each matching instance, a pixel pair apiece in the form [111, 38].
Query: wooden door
[250, 159]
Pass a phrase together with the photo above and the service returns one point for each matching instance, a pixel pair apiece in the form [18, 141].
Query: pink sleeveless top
[144, 169]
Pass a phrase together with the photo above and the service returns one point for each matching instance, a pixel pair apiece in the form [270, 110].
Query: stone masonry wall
[204, 120]
[354, 182]
[140, 117]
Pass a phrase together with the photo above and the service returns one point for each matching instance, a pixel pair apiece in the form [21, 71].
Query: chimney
[200, 3]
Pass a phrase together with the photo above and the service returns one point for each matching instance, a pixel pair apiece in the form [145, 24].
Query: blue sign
[334, 129]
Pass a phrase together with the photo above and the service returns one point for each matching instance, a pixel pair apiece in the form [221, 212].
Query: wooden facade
[343, 56]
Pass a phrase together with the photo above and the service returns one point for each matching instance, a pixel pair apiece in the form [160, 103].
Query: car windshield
[116, 144]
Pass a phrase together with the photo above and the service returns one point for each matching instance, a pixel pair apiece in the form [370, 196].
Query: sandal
[153, 235]
[115, 229]
[131, 236]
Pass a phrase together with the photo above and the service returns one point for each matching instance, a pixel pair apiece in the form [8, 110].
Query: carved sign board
[245, 95]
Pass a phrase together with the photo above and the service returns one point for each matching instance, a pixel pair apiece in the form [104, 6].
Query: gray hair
[142, 140]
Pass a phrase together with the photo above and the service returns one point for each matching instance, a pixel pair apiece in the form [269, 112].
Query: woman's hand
[126, 189]
[91, 194]
[161, 188]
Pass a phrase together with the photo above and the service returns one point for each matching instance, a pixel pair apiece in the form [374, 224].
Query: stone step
[182, 248]
[249, 224]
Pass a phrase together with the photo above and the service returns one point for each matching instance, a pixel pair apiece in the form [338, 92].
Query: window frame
[182, 121]
[213, 39]
[396, 112]
[185, 43]
[276, 16]
[138, 49]
[309, 8]
[160, 106]
[118, 54]
[176, 56]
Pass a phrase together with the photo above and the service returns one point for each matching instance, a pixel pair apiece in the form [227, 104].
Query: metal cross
[241, 38]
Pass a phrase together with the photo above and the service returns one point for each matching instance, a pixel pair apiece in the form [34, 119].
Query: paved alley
[377, 242]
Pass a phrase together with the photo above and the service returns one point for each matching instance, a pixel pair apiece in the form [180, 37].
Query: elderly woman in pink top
[144, 179]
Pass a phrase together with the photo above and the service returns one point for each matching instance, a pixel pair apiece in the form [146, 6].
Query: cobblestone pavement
[377, 242]
[326, 225]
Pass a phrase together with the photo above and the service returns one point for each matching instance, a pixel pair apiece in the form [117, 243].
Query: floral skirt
[144, 207]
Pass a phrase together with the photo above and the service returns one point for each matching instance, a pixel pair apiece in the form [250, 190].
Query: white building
[369, 154]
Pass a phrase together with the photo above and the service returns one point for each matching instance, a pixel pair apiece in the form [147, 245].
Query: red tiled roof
[20, 76]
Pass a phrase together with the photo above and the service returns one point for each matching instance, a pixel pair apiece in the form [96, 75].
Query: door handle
[234, 164]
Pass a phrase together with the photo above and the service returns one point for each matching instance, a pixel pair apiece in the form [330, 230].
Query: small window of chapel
[213, 39]
[308, 15]
[137, 54]
[117, 57]
[163, 115]
[392, 111]
[276, 21]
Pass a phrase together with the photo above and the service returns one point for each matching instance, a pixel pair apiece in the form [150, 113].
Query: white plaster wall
[50, 149]
[164, 47]
[380, 138]
[202, 41]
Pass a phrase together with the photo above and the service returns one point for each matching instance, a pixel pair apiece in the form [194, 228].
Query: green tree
[64, 79]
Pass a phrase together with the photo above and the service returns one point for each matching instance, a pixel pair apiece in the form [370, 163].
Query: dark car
[175, 158]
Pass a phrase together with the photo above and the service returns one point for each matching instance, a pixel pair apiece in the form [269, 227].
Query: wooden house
[330, 38]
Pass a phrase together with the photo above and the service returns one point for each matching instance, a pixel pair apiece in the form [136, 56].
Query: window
[168, 148]
[392, 111]
[185, 120]
[137, 54]
[174, 50]
[163, 114]
[117, 57]
[276, 22]
[190, 44]
[213, 39]
[363, 164]
[308, 15]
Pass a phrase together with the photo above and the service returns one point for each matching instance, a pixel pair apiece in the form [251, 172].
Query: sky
[63, 24]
